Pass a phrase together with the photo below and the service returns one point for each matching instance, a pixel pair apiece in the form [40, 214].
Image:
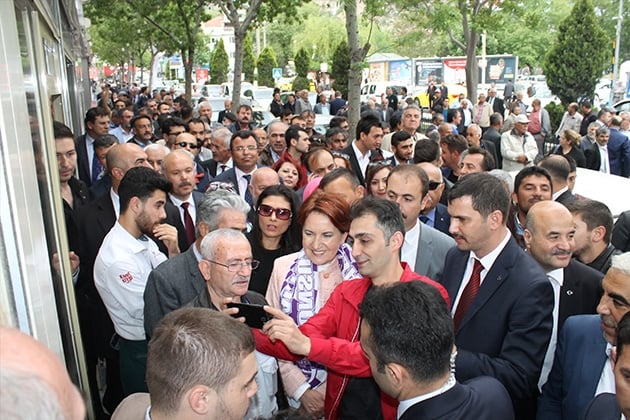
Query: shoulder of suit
[436, 235]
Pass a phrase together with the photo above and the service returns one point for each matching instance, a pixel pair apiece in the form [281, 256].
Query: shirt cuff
[300, 391]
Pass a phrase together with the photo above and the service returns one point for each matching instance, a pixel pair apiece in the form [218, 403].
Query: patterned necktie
[424, 219]
[97, 169]
[188, 224]
[248, 194]
[468, 295]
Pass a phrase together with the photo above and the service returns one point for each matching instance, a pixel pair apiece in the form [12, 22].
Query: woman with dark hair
[302, 282]
[275, 232]
[570, 146]
[376, 177]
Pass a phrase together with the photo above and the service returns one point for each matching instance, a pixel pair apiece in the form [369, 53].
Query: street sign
[277, 73]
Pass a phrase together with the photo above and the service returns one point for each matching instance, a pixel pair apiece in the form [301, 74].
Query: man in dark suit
[337, 104]
[493, 136]
[244, 149]
[407, 336]
[96, 125]
[548, 237]
[435, 214]
[618, 149]
[582, 367]
[369, 136]
[559, 169]
[473, 137]
[402, 147]
[178, 280]
[502, 300]
[497, 103]
[182, 201]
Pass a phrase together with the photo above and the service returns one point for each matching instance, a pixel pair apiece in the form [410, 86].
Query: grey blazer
[431, 253]
[170, 286]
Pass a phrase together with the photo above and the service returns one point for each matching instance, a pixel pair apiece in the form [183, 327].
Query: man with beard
[402, 146]
[531, 185]
[124, 262]
[582, 366]
[276, 146]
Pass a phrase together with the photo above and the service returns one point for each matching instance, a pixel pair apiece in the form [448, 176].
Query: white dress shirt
[409, 250]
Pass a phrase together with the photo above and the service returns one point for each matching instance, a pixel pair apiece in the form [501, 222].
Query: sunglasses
[266, 211]
[185, 145]
[433, 185]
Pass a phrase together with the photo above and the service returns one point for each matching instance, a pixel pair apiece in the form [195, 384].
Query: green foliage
[301, 82]
[203, 54]
[266, 63]
[249, 59]
[578, 57]
[340, 67]
[220, 64]
[302, 62]
[556, 111]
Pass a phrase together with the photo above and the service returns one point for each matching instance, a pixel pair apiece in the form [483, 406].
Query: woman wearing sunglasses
[275, 232]
[302, 282]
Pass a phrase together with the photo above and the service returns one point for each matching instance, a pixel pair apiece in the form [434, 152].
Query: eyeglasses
[243, 148]
[433, 185]
[341, 155]
[266, 211]
[235, 266]
[185, 145]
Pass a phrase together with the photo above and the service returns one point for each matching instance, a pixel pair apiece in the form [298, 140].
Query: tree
[302, 62]
[339, 68]
[578, 57]
[266, 63]
[220, 66]
[249, 59]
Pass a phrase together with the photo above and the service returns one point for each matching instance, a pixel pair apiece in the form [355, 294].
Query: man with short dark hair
[402, 147]
[559, 169]
[277, 144]
[501, 298]
[593, 231]
[452, 146]
[142, 127]
[493, 135]
[407, 336]
[244, 149]
[201, 364]
[102, 146]
[244, 119]
[330, 337]
[297, 142]
[435, 213]
[96, 125]
[369, 136]
[123, 131]
[571, 120]
[424, 247]
[588, 116]
[531, 185]
[124, 261]
[343, 182]
[473, 160]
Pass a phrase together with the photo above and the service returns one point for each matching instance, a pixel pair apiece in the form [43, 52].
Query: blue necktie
[248, 194]
[97, 168]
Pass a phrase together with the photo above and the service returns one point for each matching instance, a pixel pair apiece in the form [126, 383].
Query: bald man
[34, 382]
[549, 239]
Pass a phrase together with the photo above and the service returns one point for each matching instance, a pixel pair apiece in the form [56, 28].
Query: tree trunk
[472, 66]
[239, 40]
[357, 55]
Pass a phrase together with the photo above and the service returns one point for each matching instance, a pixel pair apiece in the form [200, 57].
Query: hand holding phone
[255, 316]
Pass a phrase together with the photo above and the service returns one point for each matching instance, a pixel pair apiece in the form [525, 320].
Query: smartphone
[255, 315]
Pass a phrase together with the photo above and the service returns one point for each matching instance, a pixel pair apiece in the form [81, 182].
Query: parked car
[623, 105]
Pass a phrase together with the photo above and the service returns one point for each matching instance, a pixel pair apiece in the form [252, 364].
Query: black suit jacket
[493, 136]
[228, 176]
[481, 398]
[603, 407]
[354, 163]
[490, 147]
[506, 331]
[173, 218]
[580, 291]
[593, 158]
[566, 198]
[442, 220]
[83, 163]
[621, 232]
[498, 105]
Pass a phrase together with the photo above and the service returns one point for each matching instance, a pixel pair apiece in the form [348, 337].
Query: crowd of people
[404, 275]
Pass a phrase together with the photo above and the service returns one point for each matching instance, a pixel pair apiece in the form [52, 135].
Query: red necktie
[188, 224]
[468, 295]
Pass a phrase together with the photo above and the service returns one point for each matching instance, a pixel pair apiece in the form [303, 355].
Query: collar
[197, 253]
[406, 404]
[412, 235]
[489, 259]
[115, 202]
[557, 194]
[239, 174]
[178, 203]
[557, 275]
[136, 245]
[357, 152]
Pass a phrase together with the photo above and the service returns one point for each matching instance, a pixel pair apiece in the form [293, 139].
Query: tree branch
[154, 23]
[456, 41]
